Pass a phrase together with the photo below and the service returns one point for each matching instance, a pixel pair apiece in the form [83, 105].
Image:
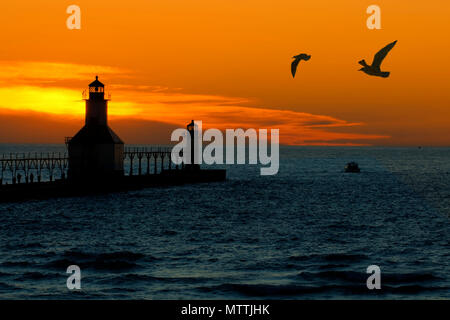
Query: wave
[144, 278]
[16, 264]
[169, 233]
[6, 287]
[264, 290]
[4, 274]
[37, 276]
[359, 277]
[127, 255]
[20, 246]
[120, 260]
[333, 257]
[95, 264]
[290, 291]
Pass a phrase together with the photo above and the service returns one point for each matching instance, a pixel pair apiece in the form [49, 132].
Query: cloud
[44, 73]
[22, 91]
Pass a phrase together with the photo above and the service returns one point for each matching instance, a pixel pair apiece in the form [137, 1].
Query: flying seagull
[302, 56]
[374, 69]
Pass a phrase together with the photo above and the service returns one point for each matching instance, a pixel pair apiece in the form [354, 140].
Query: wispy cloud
[43, 73]
[296, 128]
[53, 88]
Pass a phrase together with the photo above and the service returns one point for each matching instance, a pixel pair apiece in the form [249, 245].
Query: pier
[17, 168]
[25, 176]
[95, 161]
[44, 175]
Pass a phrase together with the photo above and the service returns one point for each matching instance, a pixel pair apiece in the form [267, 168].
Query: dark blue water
[309, 232]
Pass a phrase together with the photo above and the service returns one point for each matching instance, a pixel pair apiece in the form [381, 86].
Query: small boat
[352, 167]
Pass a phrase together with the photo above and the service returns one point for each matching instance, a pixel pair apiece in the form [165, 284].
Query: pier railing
[32, 167]
[148, 160]
[41, 167]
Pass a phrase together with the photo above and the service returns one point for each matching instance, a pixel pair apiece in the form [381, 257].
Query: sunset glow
[227, 63]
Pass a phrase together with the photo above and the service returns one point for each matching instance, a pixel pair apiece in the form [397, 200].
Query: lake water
[309, 232]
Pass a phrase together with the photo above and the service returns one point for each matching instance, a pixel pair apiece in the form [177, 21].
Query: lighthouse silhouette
[95, 152]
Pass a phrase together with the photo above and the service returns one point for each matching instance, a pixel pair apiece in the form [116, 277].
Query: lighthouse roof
[96, 83]
[96, 134]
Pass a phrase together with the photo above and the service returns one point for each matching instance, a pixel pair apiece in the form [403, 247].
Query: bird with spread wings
[375, 68]
[297, 59]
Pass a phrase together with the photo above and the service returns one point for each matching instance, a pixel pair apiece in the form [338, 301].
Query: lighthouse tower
[95, 152]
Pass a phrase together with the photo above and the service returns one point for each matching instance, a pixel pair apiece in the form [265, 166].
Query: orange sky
[227, 62]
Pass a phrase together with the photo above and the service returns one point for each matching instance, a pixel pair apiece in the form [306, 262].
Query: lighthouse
[95, 152]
